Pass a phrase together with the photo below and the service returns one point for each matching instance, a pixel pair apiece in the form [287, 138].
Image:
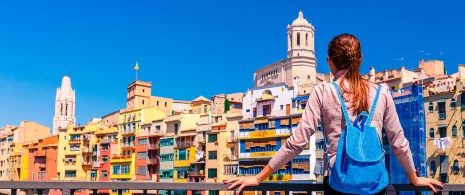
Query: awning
[261, 120]
[301, 98]
[296, 120]
[285, 121]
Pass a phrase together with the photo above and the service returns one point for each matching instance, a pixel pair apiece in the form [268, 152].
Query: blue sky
[193, 48]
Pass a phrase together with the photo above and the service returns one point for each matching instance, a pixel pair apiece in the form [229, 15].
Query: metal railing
[68, 188]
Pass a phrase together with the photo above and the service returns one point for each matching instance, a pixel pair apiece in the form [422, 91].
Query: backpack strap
[373, 107]
[343, 105]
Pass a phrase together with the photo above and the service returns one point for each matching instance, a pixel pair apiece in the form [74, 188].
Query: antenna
[420, 53]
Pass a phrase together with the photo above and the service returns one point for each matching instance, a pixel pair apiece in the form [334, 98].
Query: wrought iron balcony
[69, 187]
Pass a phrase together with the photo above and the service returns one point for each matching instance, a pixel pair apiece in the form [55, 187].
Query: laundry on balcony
[442, 143]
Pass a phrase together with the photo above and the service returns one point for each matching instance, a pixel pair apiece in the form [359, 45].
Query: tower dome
[300, 20]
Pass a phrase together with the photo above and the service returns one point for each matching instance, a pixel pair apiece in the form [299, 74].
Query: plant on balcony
[280, 176]
[226, 158]
[271, 177]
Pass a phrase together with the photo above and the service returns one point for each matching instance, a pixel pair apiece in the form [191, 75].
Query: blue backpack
[359, 166]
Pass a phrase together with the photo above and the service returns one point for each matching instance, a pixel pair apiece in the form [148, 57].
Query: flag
[136, 67]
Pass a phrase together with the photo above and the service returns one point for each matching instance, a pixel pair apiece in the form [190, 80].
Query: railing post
[40, 191]
[168, 192]
[144, 192]
[94, 191]
[120, 192]
[13, 191]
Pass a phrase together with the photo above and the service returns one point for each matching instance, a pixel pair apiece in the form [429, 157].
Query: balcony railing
[183, 144]
[231, 139]
[152, 161]
[68, 188]
[41, 174]
[95, 164]
[152, 146]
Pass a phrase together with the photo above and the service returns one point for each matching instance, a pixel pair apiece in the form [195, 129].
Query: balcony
[69, 187]
[86, 150]
[95, 164]
[152, 161]
[246, 155]
[41, 174]
[86, 163]
[152, 146]
[231, 139]
[230, 157]
[109, 140]
[183, 144]
[129, 132]
[265, 133]
[74, 141]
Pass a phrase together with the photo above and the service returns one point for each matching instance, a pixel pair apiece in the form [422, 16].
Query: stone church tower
[300, 62]
[65, 103]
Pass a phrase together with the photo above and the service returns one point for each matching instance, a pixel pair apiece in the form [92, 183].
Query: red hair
[345, 53]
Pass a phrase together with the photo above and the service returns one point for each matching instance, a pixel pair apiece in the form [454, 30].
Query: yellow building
[78, 152]
[183, 127]
[445, 123]
[122, 170]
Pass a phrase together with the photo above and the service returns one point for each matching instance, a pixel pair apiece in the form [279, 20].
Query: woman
[344, 59]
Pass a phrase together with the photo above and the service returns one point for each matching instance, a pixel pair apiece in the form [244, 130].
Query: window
[142, 141]
[176, 128]
[442, 131]
[290, 38]
[143, 90]
[104, 158]
[70, 173]
[230, 169]
[125, 169]
[463, 129]
[105, 147]
[64, 137]
[166, 104]
[104, 174]
[455, 167]
[298, 39]
[281, 107]
[141, 170]
[247, 110]
[212, 155]
[158, 103]
[182, 154]
[454, 131]
[320, 144]
[452, 103]
[432, 168]
[93, 174]
[157, 128]
[64, 149]
[116, 169]
[212, 173]
[462, 101]
[141, 155]
[212, 138]
[442, 109]
[205, 108]
[431, 133]
[430, 107]
[143, 101]
[306, 39]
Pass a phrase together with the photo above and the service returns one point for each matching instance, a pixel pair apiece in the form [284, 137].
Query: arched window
[290, 38]
[298, 39]
[455, 167]
[454, 131]
[430, 107]
[306, 39]
[432, 167]
[431, 133]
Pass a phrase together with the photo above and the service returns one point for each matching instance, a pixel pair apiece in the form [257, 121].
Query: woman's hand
[242, 182]
[423, 181]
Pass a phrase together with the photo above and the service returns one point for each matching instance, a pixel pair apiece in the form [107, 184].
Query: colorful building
[107, 140]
